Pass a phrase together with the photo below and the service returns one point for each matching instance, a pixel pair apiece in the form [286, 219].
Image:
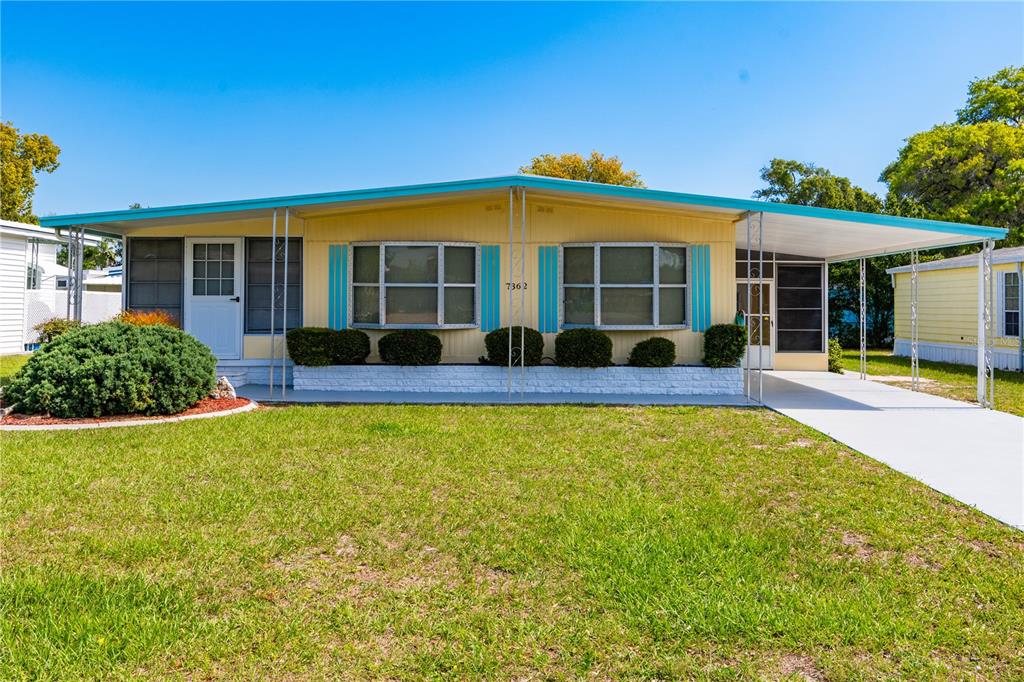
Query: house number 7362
[515, 286]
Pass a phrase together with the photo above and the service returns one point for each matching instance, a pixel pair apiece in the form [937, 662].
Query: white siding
[12, 292]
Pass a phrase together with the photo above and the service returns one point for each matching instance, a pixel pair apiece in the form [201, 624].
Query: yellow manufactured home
[463, 258]
[947, 309]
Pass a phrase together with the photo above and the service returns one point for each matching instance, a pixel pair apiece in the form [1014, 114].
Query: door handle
[237, 299]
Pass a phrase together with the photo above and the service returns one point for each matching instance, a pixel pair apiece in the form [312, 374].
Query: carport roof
[824, 233]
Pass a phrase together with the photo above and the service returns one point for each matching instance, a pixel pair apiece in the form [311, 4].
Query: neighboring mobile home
[634, 262]
[948, 309]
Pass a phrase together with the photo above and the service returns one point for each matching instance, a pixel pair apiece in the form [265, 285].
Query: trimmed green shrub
[583, 348]
[835, 356]
[654, 352]
[319, 346]
[114, 368]
[724, 345]
[497, 346]
[50, 329]
[410, 347]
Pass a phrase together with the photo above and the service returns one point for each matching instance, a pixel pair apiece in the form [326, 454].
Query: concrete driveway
[969, 453]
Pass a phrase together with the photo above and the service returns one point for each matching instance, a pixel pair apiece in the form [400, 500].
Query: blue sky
[166, 103]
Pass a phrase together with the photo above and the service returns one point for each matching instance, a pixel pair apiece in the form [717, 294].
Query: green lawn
[9, 364]
[488, 542]
[952, 381]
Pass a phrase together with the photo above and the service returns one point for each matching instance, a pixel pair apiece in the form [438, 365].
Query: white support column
[863, 320]
[986, 371]
[511, 265]
[747, 376]
[284, 307]
[914, 370]
[273, 299]
[760, 308]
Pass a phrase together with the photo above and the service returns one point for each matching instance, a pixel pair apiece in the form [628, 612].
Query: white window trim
[440, 286]
[596, 286]
[1001, 303]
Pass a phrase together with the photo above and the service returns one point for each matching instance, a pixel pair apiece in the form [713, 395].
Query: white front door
[213, 294]
[761, 347]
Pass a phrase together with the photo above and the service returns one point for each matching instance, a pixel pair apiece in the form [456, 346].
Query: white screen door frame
[767, 352]
[215, 319]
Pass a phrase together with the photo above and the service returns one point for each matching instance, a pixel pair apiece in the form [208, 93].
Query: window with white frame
[414, 284]
[1011, 304]
[624, 285]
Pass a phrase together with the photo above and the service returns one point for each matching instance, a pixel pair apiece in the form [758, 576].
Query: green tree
[999, 98]
[792, 182]
[598, 168]
[102, 255]
[21, 157]
[971, 171]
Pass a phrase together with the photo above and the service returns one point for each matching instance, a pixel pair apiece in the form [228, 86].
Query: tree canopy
[793, 182]
[998, 98]
[596, 168]
[971, 171]
[22, 156]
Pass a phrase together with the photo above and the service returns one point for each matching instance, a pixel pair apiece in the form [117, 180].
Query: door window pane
[459, 264]
[410, 264]
[579, 305]
[579, 264]
[672, 265]
[672, 305]
[366, 264]
[633, 306]
[626, 265]
[366, 305]
[458, 304]
[410, 305]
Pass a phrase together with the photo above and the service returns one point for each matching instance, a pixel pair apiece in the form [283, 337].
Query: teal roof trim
[528, 181]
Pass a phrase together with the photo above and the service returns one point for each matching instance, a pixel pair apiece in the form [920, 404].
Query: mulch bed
[204, 406]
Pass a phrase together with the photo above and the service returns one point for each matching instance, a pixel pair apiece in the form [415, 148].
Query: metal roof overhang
[828, 234]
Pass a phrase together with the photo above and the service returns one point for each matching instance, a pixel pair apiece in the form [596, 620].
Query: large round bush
[654, 352]
[114, 368]
[583, 348]
[410, 347]
[724, 345]
[497, 346]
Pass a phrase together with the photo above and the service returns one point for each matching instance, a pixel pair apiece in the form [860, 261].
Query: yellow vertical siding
[485, 221]
[947, 305]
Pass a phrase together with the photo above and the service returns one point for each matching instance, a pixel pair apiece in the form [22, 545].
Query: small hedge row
[319, 346]
[724, 345]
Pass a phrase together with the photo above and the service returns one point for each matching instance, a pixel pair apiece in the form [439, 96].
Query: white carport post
[863, 320]
[76, 254]
[986, 373]
[748, 313]
[914, 370]
[284, 306]
[273, 289]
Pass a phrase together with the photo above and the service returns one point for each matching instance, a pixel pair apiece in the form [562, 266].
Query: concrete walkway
[971, 454]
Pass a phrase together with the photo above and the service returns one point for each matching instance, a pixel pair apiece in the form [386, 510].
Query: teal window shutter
[490, 287]
[337, 277]
[700, 297]
[547, 289]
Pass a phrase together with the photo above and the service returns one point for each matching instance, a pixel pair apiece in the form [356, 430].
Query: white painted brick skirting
[960, 354]
[545, 379]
